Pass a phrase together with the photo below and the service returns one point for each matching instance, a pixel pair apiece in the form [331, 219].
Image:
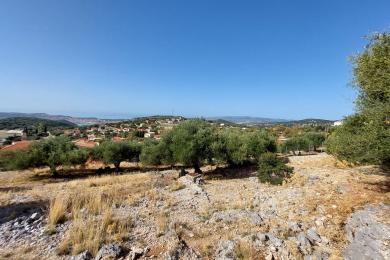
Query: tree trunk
[197, 169]
[54, 171]
[117, 167]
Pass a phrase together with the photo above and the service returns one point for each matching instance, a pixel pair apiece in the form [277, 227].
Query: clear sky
[281, 59]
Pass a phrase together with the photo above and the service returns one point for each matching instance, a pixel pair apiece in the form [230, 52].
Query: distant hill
[247, 119]
[75, 120]
[31, 122]
[268, 121]
[310, 121]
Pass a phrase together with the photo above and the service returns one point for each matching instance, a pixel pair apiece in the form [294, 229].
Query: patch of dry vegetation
[91, 205]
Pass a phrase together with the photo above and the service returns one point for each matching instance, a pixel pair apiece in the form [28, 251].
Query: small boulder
[111, 251]
[34, 216]
[225, 250]
[313, 236]
[82, 256]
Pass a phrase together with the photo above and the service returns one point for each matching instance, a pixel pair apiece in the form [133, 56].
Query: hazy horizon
[192, 58]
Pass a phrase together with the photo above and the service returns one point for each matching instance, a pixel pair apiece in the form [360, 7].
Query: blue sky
[281, 59]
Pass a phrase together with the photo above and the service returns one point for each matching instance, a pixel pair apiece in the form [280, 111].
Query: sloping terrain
[324, 212]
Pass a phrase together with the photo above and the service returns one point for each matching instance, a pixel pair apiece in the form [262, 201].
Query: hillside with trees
[32, 122]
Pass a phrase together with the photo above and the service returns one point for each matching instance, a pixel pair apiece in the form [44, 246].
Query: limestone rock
[111, 251]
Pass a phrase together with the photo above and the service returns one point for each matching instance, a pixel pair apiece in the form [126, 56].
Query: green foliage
[117, 152]
[152, 152]
[296, 144]
[357, 141]
[272, 169]
[316, 139]
[238, 147]
[33, 123]
[260, 142]
[51, 152]
[78, 156]
[190, 143]
[365, 136]
[231, 146]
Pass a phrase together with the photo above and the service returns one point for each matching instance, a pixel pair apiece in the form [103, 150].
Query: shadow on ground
[71, 174]
[231, 172]
[14, 210]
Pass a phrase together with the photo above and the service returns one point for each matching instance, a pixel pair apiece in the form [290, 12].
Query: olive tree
[112, 152]
[365, 136]
[190, 143]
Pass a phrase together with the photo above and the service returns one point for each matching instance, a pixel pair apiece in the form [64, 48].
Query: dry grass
[98, 208]
[161, 223]
[245, 250]
[91, 205]
[58, 209]
[177, 186]
[91, 232]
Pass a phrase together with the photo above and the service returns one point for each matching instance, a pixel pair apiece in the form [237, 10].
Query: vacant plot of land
[156, 214]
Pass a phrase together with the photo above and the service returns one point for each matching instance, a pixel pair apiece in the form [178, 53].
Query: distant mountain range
[233, 119]
[74, 120]
[263, 120]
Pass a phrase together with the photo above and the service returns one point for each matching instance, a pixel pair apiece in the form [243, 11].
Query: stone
[34, 216]
[233, 215]
[295, 227]
[180, 250]
[225, 250]
[110, 251]
[136, 253]
[367, 231]
[273, 240]
[304, 244]
[82, 256]
[313, 236]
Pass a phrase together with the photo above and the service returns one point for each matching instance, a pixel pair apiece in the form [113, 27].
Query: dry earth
[326, 211]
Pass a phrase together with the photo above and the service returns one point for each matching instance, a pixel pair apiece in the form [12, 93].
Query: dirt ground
[154, 212]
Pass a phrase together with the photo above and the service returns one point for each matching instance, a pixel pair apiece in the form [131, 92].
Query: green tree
[116, 152]
[41, 128]
[231, 146]
[296, 144]
[365, 136]
[260, 142]
[272, 169]
[151, 154]
[316, 139]
[78, 157]
[190, 143]
[52, 152]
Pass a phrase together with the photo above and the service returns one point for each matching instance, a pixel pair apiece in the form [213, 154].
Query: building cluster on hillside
[138, 128]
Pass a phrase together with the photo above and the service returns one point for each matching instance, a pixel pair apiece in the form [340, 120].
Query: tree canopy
[365, 136]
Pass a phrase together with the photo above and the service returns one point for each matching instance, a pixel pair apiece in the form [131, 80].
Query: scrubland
[159, 215]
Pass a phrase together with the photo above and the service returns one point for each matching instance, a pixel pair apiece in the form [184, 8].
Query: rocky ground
[326, 211]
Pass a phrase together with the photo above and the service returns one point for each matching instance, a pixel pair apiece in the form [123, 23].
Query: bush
[272, 169]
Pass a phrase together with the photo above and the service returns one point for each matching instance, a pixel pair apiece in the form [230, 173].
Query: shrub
[272, 169]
